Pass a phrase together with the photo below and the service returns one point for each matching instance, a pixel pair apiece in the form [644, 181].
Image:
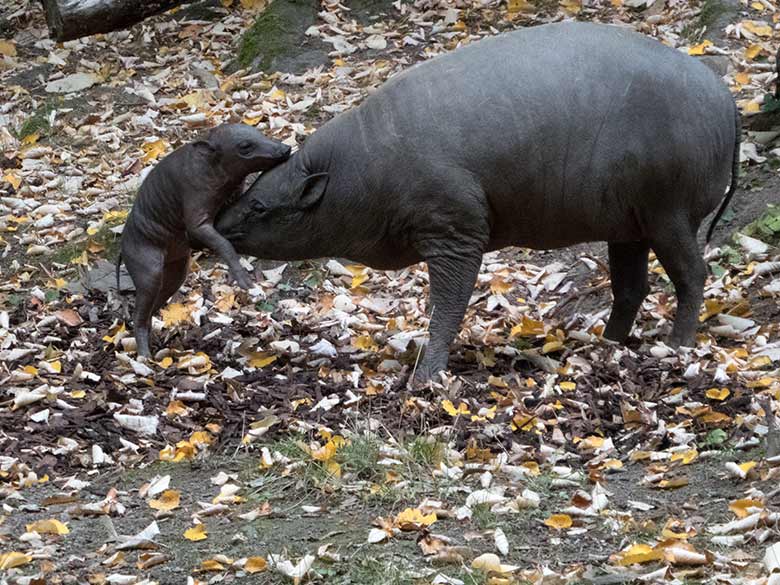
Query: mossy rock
[766, 227]
[278, 42]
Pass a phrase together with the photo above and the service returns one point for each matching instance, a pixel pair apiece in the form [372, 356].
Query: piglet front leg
[211, 238]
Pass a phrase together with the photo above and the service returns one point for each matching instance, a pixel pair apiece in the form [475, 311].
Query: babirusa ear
[309, 190]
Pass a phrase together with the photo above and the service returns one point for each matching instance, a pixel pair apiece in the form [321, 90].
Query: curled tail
[734, 175]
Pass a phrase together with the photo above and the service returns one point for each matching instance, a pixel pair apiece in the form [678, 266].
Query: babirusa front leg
[452, 277]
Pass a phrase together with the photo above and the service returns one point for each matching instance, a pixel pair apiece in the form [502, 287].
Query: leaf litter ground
[273, 438]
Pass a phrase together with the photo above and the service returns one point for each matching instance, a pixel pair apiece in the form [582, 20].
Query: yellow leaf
[699, 49]
[532, 467]
[275, 95]
[333, 468]
[31, 139]
[166, 362]
[747, 466]
[51, 526]
[687, 457]
[497, 382]
[201, 439]
[752, 107]
[568, 386]
[77, 394]
[559, 521]
[176, 313]
[199, 363]
[515, 6]
[671, 484]
[326, 452]
[196, 533]
[528, 328]
[11, 560]
[7, 48]
[637, 554]
[741, 508]
[261, 359]
[81, 260]
[414, 519]
[14, 179]
[226, 3]
[758, 28]
[752, 52]
[153, 150]
[254, 4]
[591, 443]
[612, 464]
[552, 346]
[499, 286]
[168, 500]
[450, 409]
[32, 370]
[255, 565]
[56, 366]
[175, 408]
[211, 565]
[572, 6]
[742, 78]
[675, 529]
[117, 333]
[366, 343]
[715, 394]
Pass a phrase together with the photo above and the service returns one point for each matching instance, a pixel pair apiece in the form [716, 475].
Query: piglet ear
[309, 190]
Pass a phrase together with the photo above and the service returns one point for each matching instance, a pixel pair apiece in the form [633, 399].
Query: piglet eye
[245, 147]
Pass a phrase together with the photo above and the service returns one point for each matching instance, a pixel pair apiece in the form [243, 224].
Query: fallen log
[73, 19]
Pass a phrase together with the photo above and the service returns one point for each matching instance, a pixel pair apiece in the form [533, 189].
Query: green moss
[711, 11]
[37, 122]
[767, 227]
[277, 31]
[104, 238]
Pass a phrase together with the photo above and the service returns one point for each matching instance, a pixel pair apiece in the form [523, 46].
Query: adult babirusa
[611, 136]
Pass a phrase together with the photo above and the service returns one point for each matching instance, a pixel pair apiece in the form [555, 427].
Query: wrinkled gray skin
[541, 138]
[175, 209]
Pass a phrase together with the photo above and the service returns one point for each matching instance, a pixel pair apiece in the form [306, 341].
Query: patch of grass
[104, 242]
[360, 457]
[710, 11]
[37, 122]
[425, 451]
[276, 31]
[367, 571]
[767, 227]
[483, 517]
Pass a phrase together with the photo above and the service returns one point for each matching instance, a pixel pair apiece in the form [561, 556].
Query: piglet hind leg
[452, 278]
[207, 235]
[174, 275]
[628, 274]
[678, 252]
[146, 267]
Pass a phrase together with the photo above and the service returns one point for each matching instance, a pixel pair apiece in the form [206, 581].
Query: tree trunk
[73, 19]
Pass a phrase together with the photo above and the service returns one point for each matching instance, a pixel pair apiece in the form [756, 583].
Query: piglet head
[241, 149]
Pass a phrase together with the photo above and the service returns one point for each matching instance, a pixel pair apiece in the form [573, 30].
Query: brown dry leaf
[7, 48]
[255, 565]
